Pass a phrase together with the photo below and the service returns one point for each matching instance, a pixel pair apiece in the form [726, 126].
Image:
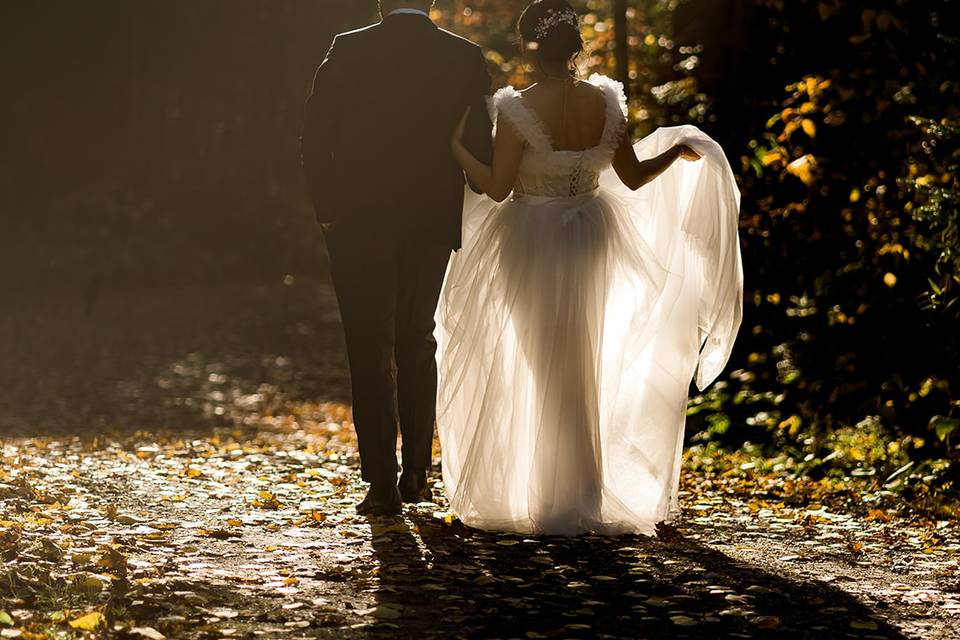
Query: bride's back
[572, 116]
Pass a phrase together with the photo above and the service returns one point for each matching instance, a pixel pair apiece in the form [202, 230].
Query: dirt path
[252, 534]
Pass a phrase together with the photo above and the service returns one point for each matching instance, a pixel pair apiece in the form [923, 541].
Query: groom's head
[386, 6]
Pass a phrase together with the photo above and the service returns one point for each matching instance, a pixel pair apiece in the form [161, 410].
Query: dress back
[545, 171]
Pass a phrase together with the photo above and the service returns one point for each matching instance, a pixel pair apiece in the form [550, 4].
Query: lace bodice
[548, 172]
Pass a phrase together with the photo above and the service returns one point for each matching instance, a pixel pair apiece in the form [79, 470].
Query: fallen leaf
[219, 534]
[383, 612]
[89, 622]
[864, 624]
[767, 622]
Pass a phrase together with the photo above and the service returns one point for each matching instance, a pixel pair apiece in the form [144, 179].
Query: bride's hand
[687, 153]
[455, 140]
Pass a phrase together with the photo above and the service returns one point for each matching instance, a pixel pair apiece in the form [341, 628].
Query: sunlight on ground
[252, 529]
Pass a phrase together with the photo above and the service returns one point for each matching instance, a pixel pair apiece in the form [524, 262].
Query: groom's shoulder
[457, 41]
[355, 35]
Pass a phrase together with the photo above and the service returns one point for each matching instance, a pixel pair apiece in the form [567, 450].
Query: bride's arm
[496, 181]
[635, 173]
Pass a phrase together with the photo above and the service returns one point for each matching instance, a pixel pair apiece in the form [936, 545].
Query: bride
[582, 304]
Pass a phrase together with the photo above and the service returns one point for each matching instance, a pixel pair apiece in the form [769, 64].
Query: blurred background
[159, 266]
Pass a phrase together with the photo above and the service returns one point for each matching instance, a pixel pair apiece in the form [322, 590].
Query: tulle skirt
[569, 331]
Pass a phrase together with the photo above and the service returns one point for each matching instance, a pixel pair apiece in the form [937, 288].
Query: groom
[389, 197]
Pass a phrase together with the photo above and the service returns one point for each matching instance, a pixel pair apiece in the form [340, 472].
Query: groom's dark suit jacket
[376, 137]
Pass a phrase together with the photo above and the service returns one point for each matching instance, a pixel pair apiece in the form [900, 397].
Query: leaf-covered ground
[230, 512]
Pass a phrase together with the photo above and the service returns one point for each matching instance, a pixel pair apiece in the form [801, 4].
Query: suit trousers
[388, 289]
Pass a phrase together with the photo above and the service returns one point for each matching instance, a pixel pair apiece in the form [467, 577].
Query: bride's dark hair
[554, 26]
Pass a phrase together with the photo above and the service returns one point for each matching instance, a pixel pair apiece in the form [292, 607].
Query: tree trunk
[621, 51]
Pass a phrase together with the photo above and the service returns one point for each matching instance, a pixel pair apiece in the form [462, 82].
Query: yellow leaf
[809, 127]
[495, 58]
[884, 20]
[788, 130]
[803, 168]
[770, 157]
[825, 10]
[894, 248]
[889, 279]
[878, 515]
[89, 622]
[291, 581]
[91, 583]
[791, 424]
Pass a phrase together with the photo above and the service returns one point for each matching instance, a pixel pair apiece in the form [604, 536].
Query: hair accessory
[554, 18]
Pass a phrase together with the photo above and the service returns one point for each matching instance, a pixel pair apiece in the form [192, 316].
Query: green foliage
[934, 186]
[848, 357]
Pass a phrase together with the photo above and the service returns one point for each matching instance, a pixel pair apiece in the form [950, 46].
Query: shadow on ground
[187, 357]
[595, 587]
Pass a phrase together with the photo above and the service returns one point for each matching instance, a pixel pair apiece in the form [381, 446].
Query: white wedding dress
[571, 324]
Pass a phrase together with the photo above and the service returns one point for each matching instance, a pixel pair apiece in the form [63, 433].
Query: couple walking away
[592, 279]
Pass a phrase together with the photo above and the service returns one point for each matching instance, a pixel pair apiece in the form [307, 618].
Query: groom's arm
[478, 136]
[320, 124]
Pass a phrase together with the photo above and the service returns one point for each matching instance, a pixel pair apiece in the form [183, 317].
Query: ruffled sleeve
[616, 122]
[507, 102]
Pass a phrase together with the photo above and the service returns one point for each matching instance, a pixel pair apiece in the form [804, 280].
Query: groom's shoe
[381, 501]
[413, 487]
